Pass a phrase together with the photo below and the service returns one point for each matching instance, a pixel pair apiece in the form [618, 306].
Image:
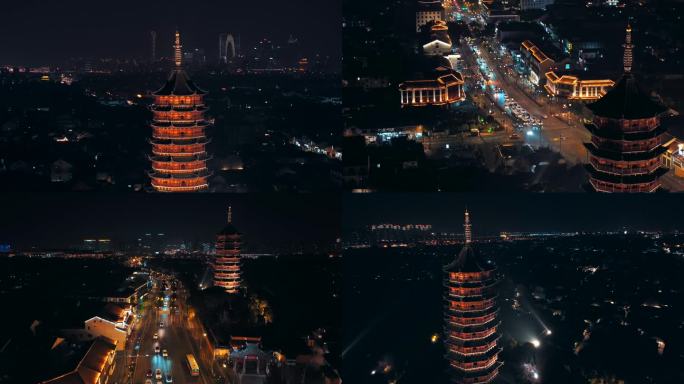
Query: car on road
[161, 324]
[156, 349]
[168, 378]
[156, 336]
[148, 381]
[158, 374]
[149, 373]
[165, 353]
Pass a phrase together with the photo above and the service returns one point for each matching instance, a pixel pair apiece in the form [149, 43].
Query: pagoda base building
[471, 317]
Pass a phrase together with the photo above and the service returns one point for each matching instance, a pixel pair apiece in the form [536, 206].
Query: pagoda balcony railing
[177, 115]
[178, 150]
[473, 335]
[182, 124]
[466, 277]
[179, 167]
[471, 296]
[477, 305]
[177, 107]
[624, 170]
[479, 350]
[474, 365]
[626, 146]
[221, 251]
[178, 100]
[180, 185]
[227, 268]
[174, 133]
[463, 291]
[227, 277]
[179, 122]
[484, 379]
[465, 321]
[629, 126]
[602, 186]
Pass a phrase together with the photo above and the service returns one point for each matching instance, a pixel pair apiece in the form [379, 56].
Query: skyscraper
[626, 136]
[179, 157]
[153, 53]
[471, 320]
[226, 47]
[227, 259]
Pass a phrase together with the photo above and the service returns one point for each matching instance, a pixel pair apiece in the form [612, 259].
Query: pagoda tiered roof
[179, 84]
[626, 100]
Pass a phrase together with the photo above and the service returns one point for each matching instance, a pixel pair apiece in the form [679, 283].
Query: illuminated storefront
[443, 90]
[572, 87]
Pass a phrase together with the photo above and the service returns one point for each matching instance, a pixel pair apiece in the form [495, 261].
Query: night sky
[37, 32]
[61, 220]
[493, 213]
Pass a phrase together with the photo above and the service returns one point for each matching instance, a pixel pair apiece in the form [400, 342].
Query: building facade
[179, 156]
[471, 316]
[227, 259]
[428, 11]
[534, 4]
[442, 90]
[439, 43]
[573, 88]
[627, 140]
[96, 366]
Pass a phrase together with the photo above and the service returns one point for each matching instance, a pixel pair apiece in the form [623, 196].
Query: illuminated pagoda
[626, 136]
[471, 322]
[179, 156]
[227, 258]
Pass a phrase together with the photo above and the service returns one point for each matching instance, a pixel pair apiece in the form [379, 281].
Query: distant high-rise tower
[471, 320]
[179, 157]
[227, 259]
[626, 136]
[153, 54]
[226, 47]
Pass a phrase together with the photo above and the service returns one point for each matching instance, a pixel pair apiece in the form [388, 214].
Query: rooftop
[179, 84]
[626, 100]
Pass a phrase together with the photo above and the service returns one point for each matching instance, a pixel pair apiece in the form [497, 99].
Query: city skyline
[78, 28]
[515, 212]
[61, 221]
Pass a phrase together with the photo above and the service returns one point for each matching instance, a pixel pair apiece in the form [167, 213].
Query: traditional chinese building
[179, 155]
[626, 136]
[227, 258]
[471, 337]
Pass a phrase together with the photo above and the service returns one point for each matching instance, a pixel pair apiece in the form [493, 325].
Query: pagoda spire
[177, 56]
[627, 56]
[230, 214]
[467, 228]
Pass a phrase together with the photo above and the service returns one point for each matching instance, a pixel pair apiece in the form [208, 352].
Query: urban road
[176, 333]
[566, 135]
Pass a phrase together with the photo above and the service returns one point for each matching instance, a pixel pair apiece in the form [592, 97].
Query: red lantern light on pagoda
[471, 337]
[179, 157]
[227, 259]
